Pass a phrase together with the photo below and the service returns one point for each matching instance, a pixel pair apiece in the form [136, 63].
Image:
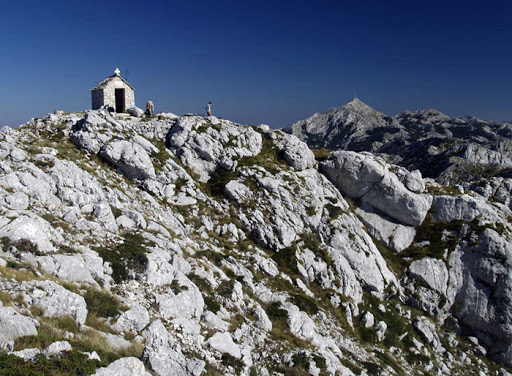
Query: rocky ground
[189, 245]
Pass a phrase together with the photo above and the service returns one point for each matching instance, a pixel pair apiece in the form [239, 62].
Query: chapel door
[120, 101]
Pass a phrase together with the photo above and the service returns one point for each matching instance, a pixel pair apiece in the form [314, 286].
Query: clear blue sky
[272, 62]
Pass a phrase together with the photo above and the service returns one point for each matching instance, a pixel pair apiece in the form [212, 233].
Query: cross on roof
[117, 71]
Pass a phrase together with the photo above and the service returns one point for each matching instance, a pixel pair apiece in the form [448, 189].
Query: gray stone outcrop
[123, 367]
[165, 360]
[204, 148]
[55, 300]
[295, 152]
[362, 176]
[135, 319]
[223, 343]
[14, 325]
[129, 157]
[430, 271]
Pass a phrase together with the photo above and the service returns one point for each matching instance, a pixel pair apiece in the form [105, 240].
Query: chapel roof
[105, 82]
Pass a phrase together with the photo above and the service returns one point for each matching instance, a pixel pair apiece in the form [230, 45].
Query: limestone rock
[368, 319]
[474, 274]
[361, 176]
[394, 235]
[380, 329]
[431, 271]
[427, 331]
[223, 343]
[124, 367]
[187, 303]
[135, 111]
[69, 268]
[414, 182]
[14, 325]
[55, 300]
[296, 152]
[130, 158]
[165, 360]
[135, 319]
[204, 148]
[36, 230]
[28, 355]
[464, 207]
[213, 321]
[56, 348]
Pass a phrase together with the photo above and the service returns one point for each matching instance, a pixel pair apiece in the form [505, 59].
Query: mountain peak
[357, 104]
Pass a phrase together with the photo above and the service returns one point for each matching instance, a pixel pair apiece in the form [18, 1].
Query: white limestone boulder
[480, 287]
[463, 207]
[164, 359]
[16, 201]
[36, 230]
[70, 268]
[124, 367]
[55, 300]
[389, 232]
[427, 331]
[349, 241]
[204, 146]
[14, 325]
[353, 173]
[135, 319]
[211, 320]
[57, 348]
[295, 152]
[391, 197]
[414, 182]
[130, 158]
[28, 355]
[430, 271]
[223, 343]
[188, 303]
[363, 176]
[135, 111]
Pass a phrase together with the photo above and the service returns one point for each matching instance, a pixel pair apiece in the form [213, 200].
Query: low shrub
[276, 313]
[101, 303]
[72, 363]
[211, 304]
[130, 254]
[305, 303]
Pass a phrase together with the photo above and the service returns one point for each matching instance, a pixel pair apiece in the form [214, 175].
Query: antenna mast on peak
[355, 94]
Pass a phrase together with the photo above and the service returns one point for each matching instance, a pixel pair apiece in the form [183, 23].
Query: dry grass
[5, 298]
[18, 274]
[98, 323]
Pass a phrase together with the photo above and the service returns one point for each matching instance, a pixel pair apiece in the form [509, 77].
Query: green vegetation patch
[286, 259]
[160, 157]
[218, 180]
[276, 313]
[72, 363]
[130, 254]
[231, 361]
[101, 303]
[305, 303]
[22, 245]
[270, 157]
[334, 211]
[321, 154]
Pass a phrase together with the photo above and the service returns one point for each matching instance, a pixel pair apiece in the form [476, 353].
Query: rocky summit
[196, 246]
[450, 150]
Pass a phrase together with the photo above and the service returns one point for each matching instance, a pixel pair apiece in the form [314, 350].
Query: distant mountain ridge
[448, 149]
